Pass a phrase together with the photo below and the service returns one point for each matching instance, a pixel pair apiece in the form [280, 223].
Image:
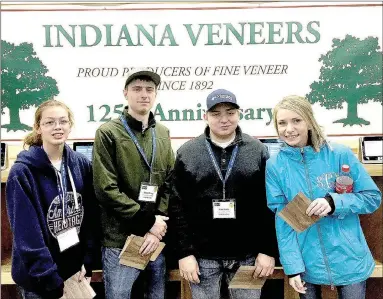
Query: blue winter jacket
[334, 250]
[35, 215]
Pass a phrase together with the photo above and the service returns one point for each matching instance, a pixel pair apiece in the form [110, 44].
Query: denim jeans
[27, 294]
[351, 291]
[212, 272]
[119, 279]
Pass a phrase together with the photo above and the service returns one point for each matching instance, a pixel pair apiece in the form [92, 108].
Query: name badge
[148, 192]
[68, 239]
[224, 208]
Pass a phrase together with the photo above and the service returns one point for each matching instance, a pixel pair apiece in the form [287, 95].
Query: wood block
[294, 213]
[6, 277]
[185, 289]
[378, 270]
[130, 256]
[127, 242]
[243, 279]
[73, 289]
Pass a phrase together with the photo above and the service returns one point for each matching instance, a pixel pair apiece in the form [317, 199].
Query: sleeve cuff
[185, 252]
[88, 268]
[158, 212]
[293, 269]
[331, 203]
[270, 250]
[55, 293]
[51, 286]
[339, 209]
[142, 222]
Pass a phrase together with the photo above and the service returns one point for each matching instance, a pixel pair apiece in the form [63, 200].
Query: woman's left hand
[82, 275]
[319, 207]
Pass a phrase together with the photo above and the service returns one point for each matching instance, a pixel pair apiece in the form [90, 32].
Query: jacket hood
[36, 157]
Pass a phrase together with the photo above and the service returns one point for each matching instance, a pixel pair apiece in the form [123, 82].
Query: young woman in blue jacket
[49, 198]
[333, 251]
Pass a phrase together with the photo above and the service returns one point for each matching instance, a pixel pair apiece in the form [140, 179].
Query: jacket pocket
[302, 239]
[352, 240]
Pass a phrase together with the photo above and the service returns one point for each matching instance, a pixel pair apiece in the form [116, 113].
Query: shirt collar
[137, 125]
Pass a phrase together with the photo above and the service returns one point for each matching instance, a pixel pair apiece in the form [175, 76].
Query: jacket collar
[297, 153]
[135, 124]
[237, 139]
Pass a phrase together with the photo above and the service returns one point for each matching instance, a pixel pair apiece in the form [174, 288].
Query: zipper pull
[332, 287]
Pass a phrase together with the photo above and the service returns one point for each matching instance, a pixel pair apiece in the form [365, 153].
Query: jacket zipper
[318, 225]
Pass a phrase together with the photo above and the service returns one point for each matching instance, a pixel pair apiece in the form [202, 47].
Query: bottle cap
[345, 168]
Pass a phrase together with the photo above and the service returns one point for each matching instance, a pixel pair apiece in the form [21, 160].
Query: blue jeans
[119, 279]
[211, 277]
[27, 294]
[351, 291]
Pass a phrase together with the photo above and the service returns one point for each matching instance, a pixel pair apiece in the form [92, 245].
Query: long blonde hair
[302, 106]
[34, 138]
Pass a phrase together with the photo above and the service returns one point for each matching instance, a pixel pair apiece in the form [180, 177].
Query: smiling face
[292, 128]
[55, 125]
[140, 95]
[222, 120]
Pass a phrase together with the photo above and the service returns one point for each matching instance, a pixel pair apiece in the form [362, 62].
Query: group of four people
[213, 202]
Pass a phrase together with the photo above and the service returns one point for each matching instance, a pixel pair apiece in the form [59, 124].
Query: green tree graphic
[23, 82]
[351, 73]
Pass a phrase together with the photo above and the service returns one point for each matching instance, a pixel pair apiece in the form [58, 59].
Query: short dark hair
[142, 78]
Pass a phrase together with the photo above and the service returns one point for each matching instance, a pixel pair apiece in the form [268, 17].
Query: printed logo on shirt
[73, 217]
[326, 181]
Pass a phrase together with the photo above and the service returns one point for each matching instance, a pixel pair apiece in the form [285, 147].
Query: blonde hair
[34, 138]
[302, 106]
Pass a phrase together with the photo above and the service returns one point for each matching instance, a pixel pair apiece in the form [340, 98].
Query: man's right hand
[189, 269]
[159, 227]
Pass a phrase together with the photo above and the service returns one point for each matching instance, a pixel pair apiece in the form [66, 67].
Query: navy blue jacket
[35, 214]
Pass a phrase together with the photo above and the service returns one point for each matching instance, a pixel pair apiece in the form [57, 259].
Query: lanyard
[139, 148]
[217, 169]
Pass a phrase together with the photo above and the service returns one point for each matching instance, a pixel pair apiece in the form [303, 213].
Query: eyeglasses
[52, 123]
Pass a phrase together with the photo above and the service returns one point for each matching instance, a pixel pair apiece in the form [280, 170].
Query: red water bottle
[344, 182]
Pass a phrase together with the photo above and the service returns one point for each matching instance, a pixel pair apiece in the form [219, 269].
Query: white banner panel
[331, 54]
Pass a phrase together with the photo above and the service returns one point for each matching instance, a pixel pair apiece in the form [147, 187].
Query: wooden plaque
[130, 256]
[73, 289]
[243, 279]
[294, 213]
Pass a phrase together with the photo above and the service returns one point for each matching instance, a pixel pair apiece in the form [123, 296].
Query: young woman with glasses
[50, 202]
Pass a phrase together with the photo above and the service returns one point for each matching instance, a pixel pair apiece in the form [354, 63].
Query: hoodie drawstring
[73, 190]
